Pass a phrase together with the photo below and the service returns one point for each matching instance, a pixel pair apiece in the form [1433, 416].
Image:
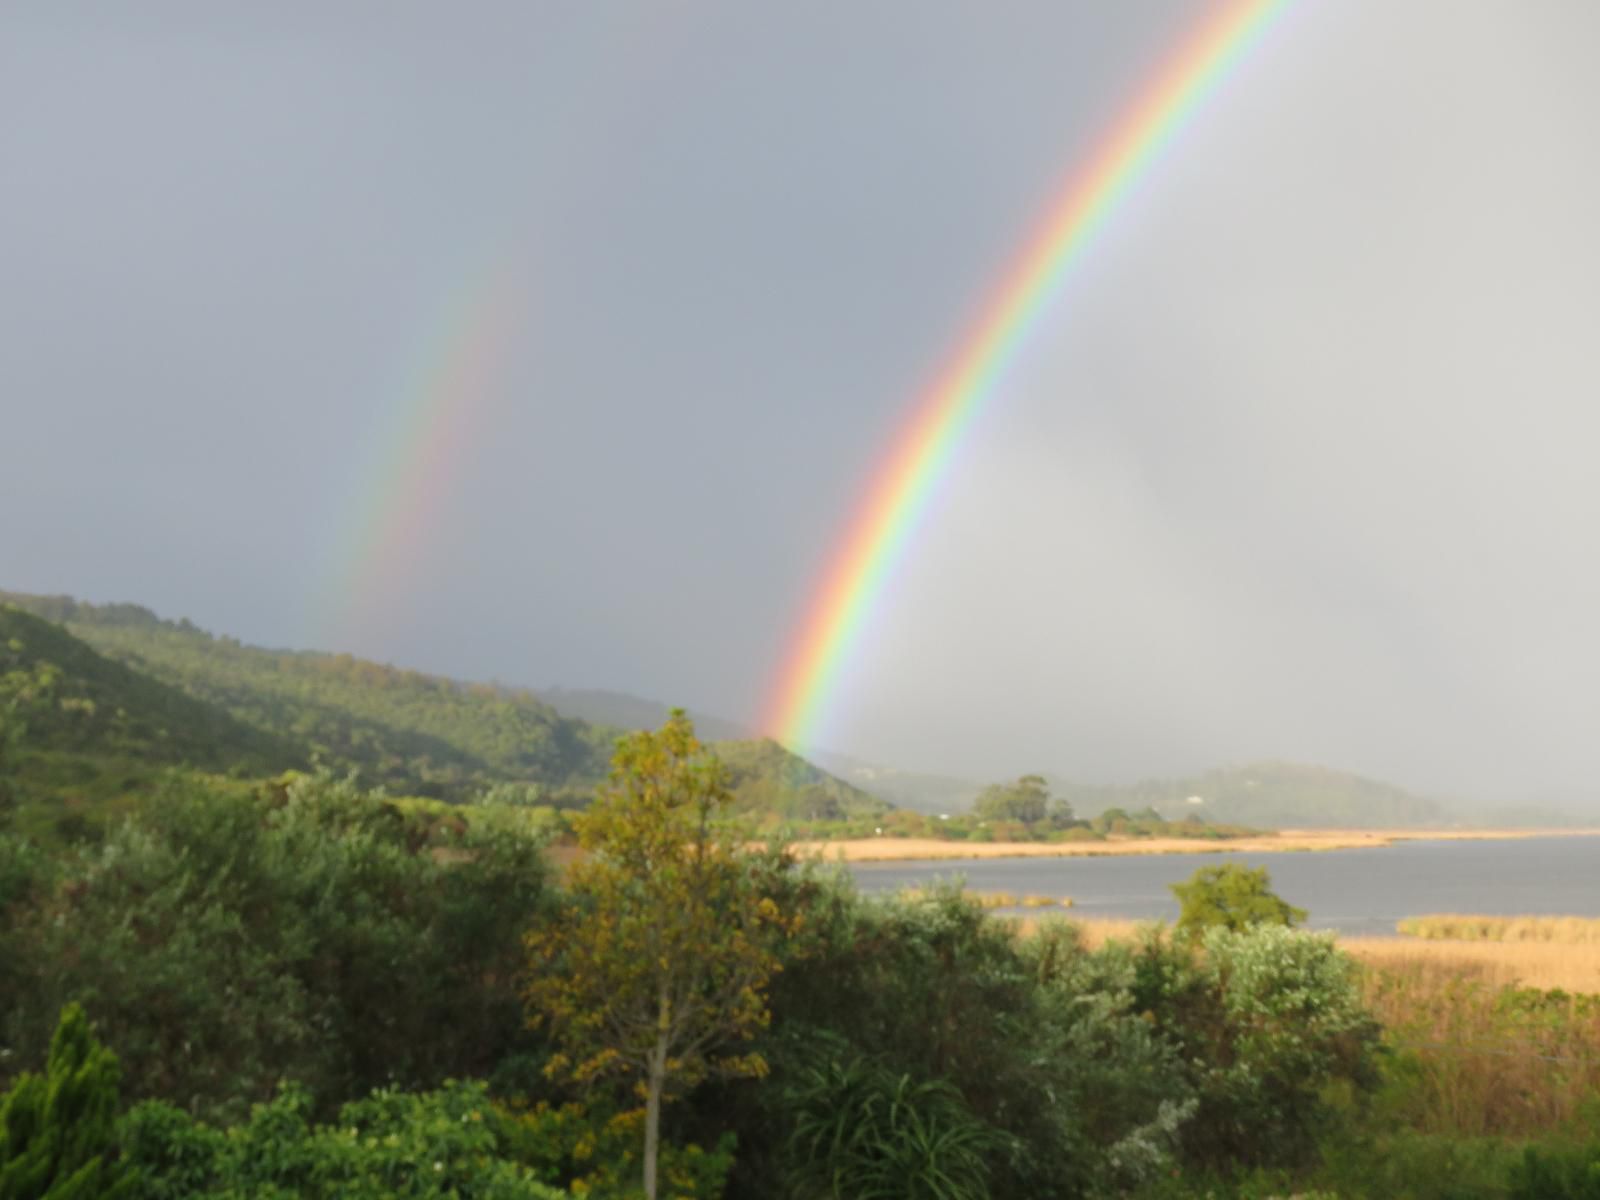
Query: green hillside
[767, 778]
[216, 704]
[414, 733]
[89, 703]
[1269, 794]
[82, 735]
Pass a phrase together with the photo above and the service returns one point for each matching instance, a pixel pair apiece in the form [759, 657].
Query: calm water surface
[1353, 891]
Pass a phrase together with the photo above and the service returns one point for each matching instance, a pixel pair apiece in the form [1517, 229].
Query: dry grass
[1565, 931]
[1096, 931]
[1477, 1055]
[1543, 965]
[996, 899]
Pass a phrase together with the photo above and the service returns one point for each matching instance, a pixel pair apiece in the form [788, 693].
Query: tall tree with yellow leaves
[656, 967]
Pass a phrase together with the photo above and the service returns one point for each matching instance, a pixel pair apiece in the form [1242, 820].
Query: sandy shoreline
[890, 849]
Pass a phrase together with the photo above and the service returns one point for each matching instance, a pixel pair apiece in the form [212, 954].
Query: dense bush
[863, 1132]
[1039, 1039]
[451, 1143]
[315, 933]
[594, 1149]
[1231, 897]
[1264, 1020]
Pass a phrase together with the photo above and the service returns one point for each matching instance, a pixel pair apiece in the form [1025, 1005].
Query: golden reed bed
[1538, 962]
[893, 849]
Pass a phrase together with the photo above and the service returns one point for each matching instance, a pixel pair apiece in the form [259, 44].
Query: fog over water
[1299, 465]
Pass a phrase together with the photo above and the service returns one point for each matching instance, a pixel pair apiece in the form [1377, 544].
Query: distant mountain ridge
[1260, 794]
[1265, 794]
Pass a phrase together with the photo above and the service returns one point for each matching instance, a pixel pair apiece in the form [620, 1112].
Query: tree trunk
[652, 1115]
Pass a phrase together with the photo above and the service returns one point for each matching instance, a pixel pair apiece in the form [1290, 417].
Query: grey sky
[1300, 464]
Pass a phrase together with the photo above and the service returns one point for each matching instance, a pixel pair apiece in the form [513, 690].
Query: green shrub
[1269, 1020]
[1557, 1173]
[864, 1132]
[317, 933]
[451, 1143]
[594, 1148]
[1231, 897]
[56, 1129]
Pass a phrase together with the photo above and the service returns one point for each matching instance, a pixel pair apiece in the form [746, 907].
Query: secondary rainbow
[877, 536]
[439, 417]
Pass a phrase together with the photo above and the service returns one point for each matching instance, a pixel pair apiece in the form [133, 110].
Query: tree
[657, 968]
[1027, 800]
[1231, 897]
[57, 1129]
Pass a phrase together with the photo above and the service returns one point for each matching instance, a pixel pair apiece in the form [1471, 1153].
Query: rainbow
[877, 537]
[437, 420]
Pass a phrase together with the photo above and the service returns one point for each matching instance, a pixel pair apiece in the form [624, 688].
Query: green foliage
[1040, 1039]
[1027, 800]
[1396, 1162]
[170, 693]
[662, 956]
[1231, 897]
[594, 1149]
[1557, 1174]
[864, 1132]
[1265, 1021]
[56, 1129]
[72, 698]
[447, 1144]
[317, 932]
[417, 733]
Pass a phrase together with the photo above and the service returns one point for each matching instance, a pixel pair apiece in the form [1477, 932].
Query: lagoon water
[1353, 891]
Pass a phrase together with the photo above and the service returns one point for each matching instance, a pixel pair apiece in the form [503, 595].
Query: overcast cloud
[1301, 464]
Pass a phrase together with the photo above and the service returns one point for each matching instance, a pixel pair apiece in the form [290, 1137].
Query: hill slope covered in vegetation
[408, 731]
[82, 736]
[217, 704]
[1265, 794]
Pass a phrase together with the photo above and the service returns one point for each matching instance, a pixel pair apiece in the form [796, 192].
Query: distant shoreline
[893, 849]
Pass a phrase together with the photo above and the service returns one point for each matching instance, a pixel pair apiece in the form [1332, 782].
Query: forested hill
[83, 703]
[767, 778]
[218, 704]
[1269, 794]
[411, 732]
